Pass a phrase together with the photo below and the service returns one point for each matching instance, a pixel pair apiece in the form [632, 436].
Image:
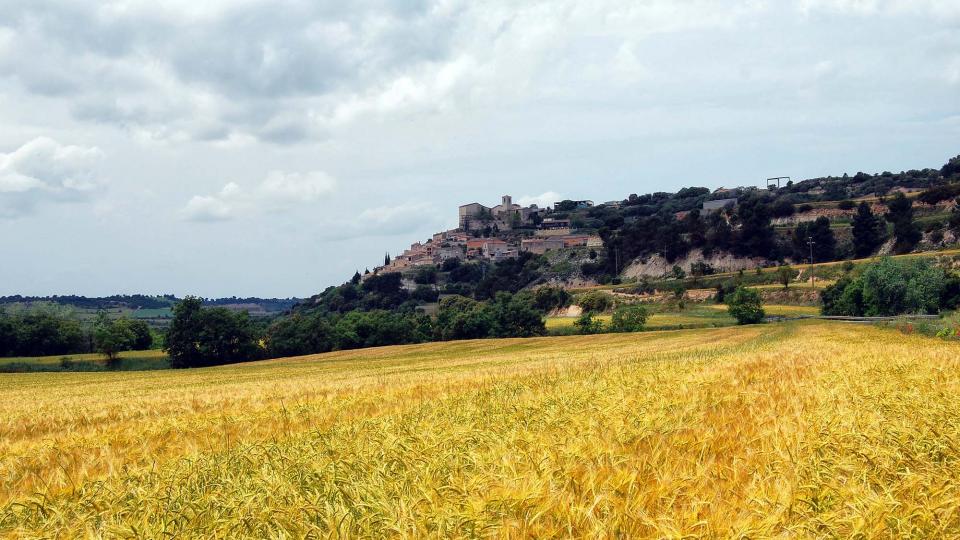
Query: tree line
[201, 336]
[47, 333]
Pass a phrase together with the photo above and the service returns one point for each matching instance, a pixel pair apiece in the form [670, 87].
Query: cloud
[300, 71]
[283, 187]
[386, 220]
[543, 200]
[278, 191]
[45, 171]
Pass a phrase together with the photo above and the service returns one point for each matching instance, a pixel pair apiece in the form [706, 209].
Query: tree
[953, 222]
[784, 275]
[462, 318]
[782, 208]
[299, 334]
[889, 287]
[867, 231]
[386, 259]
[425, 275]
[824, 242]
[513, 317]
[143, 339]
[547, 298]
[425, 293]
[629, 318]
[45, 333]
[756, 236]
[905, 231]
[8, 335]
[200, 337]
[588, 323]
[357, 277]
[112, 337]
[744, 305]
[951, 168]
[595, 301]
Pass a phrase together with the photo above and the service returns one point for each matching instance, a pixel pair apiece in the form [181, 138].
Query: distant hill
[135, 302]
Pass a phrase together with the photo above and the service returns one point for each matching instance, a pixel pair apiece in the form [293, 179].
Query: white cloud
[387, 220]
[284, 187]
[44, 170]
[544, 200]
[278, 191]
[206, 208]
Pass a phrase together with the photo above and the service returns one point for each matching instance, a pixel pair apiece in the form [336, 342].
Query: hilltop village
[498, 233]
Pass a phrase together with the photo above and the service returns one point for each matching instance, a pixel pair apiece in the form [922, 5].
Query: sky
[272, 148]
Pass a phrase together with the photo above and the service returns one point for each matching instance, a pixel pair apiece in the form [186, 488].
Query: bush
[425, 275]
[548, 298]
[744, 306]
[890, 287]
[629, 318]
[588, 323]
[425, 293]
[595, 301]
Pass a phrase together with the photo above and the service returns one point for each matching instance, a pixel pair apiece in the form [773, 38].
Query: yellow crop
[809, 429]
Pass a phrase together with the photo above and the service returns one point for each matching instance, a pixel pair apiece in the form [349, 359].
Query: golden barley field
[804, 429]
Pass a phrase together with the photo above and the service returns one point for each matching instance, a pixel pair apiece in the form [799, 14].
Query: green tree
[200, 337]
[629, 318]
[513, 317]
[588, 323]
[425, 293]
[905, 231]
[143, 338]
[547, 298]
[868, 231]
[299, 334]
[8, 335]
[784, 275]
[112, 337]
[462, 318]
[595, 301]
[889, 287]
[824, 242]
[426, 275]
[744, 305]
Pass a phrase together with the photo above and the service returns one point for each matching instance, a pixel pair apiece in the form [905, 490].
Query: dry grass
[803, 429]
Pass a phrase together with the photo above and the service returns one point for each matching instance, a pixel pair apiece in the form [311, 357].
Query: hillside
[804, 429]
[727, 228]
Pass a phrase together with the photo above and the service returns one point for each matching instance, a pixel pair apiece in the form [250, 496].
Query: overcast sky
[255, 147]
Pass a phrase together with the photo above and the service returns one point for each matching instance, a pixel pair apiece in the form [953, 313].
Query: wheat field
[805, 429]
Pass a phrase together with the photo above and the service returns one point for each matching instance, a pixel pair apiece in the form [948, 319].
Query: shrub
[588, 323]
[595, 301]
[425, 293]
[744, 306]
[629, 318]
[549, 298]
[890, 287]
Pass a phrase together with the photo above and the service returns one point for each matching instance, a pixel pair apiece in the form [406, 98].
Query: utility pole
[810, 243]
